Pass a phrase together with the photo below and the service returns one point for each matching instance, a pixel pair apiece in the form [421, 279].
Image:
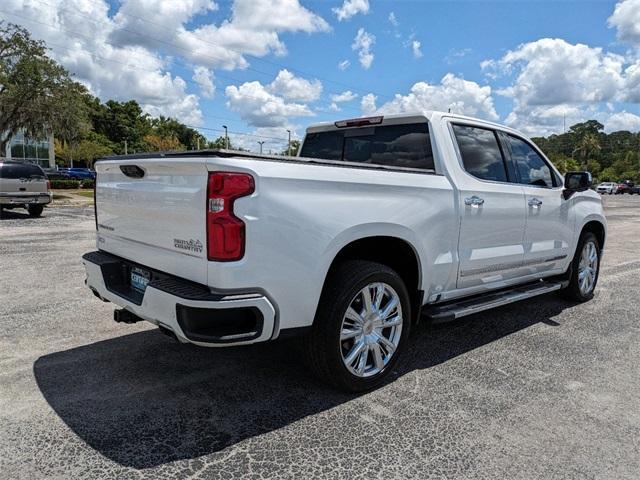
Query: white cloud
[344, 64]
[149, 22]
[631, 92]
[393, 20]
[362, 44]
[626, 20]
[351, 8]
[288, 86]
[555, 80]
[416, 48]
[622, 121]
[459, 95]
[368, 104]
[78, 34]
[260, 108]
[345, 96]
[253, 28]
[552, 71]
[204, 78]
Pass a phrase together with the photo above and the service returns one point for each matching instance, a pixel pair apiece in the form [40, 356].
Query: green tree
[36, 94]
[121, 122]
[170, 127]
[588, 146]
[156, 143]
[86, 151]
[295, 146]
[220, 143]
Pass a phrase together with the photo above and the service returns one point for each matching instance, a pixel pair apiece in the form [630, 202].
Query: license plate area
[139, 278]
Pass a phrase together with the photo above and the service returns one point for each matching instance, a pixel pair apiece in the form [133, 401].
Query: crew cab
[376, 223]
[23, 185]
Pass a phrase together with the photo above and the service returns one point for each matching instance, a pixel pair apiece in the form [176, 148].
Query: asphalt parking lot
[539, 389]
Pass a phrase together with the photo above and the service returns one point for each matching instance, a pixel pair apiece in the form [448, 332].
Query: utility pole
[226, 137]
[261, 143]
[125, 147]
[289, 144]
[198, 141]
[564, 123]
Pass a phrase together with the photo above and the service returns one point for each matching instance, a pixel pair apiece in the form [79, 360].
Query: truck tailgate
[152, 211]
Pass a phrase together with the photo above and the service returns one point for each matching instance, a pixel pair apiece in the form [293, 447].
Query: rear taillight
[225, 231]
[48, 185]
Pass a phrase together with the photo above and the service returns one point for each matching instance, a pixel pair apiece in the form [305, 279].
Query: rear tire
[584, 270]
[35, 210]
[361, 326]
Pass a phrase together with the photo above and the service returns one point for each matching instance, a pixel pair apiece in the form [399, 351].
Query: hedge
[72, 184]
[65, 184]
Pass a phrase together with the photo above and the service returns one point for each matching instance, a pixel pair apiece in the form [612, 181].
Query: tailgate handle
[132, 171]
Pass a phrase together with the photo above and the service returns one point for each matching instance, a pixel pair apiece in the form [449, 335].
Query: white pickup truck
[377, 222]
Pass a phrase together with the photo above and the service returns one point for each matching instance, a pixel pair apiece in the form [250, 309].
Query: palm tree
[588, 145]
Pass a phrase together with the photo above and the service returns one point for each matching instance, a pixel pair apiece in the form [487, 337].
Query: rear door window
[20, 170]
[480, 152]
[406, 146]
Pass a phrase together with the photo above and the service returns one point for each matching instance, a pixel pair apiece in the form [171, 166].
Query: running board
[479, 303]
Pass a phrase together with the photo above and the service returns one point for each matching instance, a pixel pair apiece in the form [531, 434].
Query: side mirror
[576, 182]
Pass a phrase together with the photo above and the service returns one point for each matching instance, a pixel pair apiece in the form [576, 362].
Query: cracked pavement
[538, 389]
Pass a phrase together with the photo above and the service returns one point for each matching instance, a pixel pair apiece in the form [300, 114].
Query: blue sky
[262, 67]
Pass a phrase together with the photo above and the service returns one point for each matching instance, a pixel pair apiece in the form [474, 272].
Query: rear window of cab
[404, 146]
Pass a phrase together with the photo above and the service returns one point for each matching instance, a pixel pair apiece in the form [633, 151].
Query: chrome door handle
[473, 201]
[534, 202]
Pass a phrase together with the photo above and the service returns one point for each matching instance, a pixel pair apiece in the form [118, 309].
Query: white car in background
[23, 185]
[607, 187]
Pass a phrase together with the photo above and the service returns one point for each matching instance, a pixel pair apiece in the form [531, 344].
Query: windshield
[406, 146]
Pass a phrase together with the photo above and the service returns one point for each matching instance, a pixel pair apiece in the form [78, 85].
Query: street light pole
[289, 143]
[226, 137]
[261, 143]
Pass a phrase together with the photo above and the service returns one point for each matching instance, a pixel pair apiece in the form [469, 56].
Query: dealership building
[38, 151]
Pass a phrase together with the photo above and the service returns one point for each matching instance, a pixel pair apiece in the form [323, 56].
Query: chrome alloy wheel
[588, 268]
[371, 330]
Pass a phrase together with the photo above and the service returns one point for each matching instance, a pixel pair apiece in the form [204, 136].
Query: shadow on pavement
[14, 214]
[143, 400]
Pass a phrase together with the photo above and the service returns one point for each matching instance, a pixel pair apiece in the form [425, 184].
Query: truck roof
[398, 119]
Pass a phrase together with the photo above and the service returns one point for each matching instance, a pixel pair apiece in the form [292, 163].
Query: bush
[87, 184]
[65, 184]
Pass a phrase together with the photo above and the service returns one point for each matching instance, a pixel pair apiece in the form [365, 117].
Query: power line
[172, 44]
[189, 81]
[259, 59]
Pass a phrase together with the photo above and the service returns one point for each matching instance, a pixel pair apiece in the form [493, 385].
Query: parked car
[23, 185]
[80, 174]
[607, 187]
[625, 186]
[379, 220]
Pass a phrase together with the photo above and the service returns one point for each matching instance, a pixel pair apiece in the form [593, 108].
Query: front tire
[584, 269]
[361, 326]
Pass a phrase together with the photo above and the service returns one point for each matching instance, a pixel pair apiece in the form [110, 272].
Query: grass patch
[84, 193]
